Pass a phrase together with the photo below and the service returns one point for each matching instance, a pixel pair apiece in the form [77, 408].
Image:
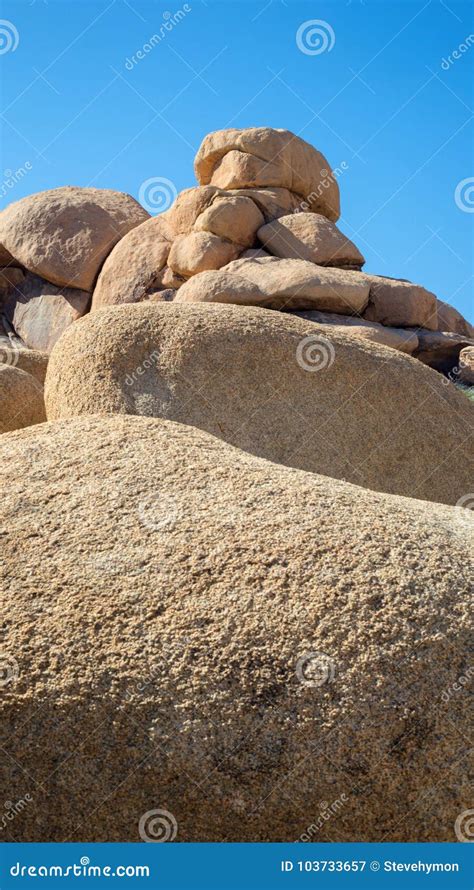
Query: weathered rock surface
[396, 338]
[40, 312]
[21, 397]
[200, 251]
[65, 234]
[178, 648]
[466, 366]
[399, 303]
[440, 350]
[449, 319]
[275, 386]
[280, 284]
[132, 269]
[262, 156]
[310, 236]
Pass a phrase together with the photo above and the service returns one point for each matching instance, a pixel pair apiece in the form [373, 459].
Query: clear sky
[372, 91]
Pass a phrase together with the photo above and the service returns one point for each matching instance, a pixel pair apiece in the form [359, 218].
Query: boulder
[32, 361]
[21, 397]
[6, 258]
[279, 284]
[193, 630]
[449, 319]
[396, 338]
[399, 303]
[40, 312]
[274, 385]
[131, 270]
[65, 234]
[236, 219]
[192, 202]
[466, 366]
[310, 236]
[440, 350]
[200, 251]
[262, 156]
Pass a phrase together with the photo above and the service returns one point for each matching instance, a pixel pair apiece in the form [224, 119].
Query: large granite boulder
[264, 157]
[310, 236]
[65, 234]
[274, 385]
[279, 284]
[193, 630]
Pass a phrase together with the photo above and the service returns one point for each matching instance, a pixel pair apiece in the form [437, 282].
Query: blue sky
[379, 97]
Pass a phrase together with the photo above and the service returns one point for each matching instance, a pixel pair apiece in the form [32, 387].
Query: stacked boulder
[259, 229]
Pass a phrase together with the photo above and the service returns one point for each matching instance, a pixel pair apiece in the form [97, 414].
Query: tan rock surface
[286, 161]
[396, 338]
[65, 234]
[40, 312]
[177, 648]
[131, 270]
[200, 251]
[310, 236]
[21, 397]
[280, 284]
[276, 386]
[449, 319]
[399, 303]
[234, 218]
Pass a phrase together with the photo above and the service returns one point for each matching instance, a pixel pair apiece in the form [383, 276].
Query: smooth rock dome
[274, 385]
[195, 629]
